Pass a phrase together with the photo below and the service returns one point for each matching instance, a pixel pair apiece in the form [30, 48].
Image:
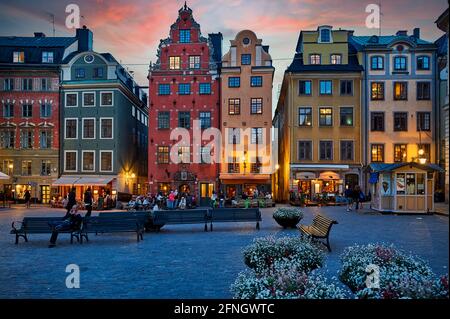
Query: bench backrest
[38, 224]
[180, 216]
[142, 216]
[108, 224]
[235, 214]
[323, 224]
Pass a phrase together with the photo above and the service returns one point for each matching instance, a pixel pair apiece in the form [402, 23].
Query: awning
[373, 178]
[305, 175]
[4, 176]
[329, 176]
[321, 167]
[66, 181]
[94, 180]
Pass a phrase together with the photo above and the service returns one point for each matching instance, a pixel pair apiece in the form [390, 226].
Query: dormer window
[18, 57]
[314, 59]
[185, 36]
[47, 57]
[336, 59]
[324, 35]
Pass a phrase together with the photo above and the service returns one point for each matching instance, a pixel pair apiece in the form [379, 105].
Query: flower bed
[288, 217]
[265, 251]
[284, 280]
[400, 275]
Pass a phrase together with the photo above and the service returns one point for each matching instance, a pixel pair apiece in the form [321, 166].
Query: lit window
[325, 116]
[314, 59]
[256, 106]
[400, 90]
[194, 62]
[174, 63]
[377, 153]
[336, 59]
[18, 57]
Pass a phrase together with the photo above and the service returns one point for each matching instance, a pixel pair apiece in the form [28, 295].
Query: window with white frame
[70, 161]
[18, 57]
[88, 161]
[106, 98]
[88, 128]
[106, 128]
[106, 161]
[71, 99]
[47, 57]
[71, 126]
[88, 99]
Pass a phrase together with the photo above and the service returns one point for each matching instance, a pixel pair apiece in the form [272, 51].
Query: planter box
[288, 222]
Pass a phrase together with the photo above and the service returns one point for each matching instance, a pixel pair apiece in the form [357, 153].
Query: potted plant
[288, 217]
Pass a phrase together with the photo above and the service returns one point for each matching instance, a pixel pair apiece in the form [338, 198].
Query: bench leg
[328, 245]
[206, 226]
[211, 227]
[17, 239]
[142, 235]
[257, 225]
[25, 237]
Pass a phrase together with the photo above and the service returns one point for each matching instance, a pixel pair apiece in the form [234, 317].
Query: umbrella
[3, 176]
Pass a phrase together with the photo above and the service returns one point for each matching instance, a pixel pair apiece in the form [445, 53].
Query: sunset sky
[131, 30]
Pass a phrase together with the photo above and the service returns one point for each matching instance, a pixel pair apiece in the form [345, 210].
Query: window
[400, 63]
[45, 85]
[256, 105]
[325, 150]
[377, 121]
[400, 182]
[184, 119]
[27, 84]
[46, 168]
[88, 161]
[106, 161]
[400, 90]
[185, 36]
[7, 139]
[71, 129]
[184, 154]
[45, 139]
[346, 114]
[205, 153]
[346, 87]
[255, 166]
[88, 99]
[174, 63]
[88, 128]
[400, 154]
[106, 98]
[314, 59]
[234, 106]
[194, 62]
[256, 81]
[8, 110]
[347, 151]
[47, 57]
[184, 88]
[98, 72]
[163, 120]
[70, 161]
[71, 99]
[336, 59]
[246, 59]
[46, 110]
[423, 121]
[305, 116]
[27, 110]
[326, 87]
[377, 63]
[325, 35]
[423, 63]
[106, 128]
[426, 151]
[377, 91]
[8, 84]
[257, 135]
[325, 116]
[205, 120]
[233, 166]
[26, 139]
[26, 168]
[305, 150]
[234, 136]
[80, 73]
[163, 89]
[423, 90]
[18, 57]
[304, 87]
[400, 121]
[420, 184]
[205, 88]
[377, 152]
[163, 155]
[234, 82]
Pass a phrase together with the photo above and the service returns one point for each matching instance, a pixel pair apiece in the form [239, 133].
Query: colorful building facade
[246, 116]
[184, 90]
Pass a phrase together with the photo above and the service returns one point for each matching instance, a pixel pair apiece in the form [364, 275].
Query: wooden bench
[319, 229]
[173, 217]
[223, 215]
[40, 225]
[143, 217]
[108, 224]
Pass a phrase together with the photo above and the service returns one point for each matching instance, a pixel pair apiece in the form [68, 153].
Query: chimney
[85, 39]
[416, 33]
[403, 33]
[39, 35]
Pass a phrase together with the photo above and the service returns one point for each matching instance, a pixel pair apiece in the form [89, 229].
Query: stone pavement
[441, 209]
[183, 261]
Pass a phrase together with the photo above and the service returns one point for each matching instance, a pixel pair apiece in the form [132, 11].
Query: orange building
[246, 116]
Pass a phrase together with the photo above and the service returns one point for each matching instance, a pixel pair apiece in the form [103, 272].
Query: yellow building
[318, 117]
[246, 116]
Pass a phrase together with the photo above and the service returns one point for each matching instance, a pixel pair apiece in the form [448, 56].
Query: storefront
[237, 186]
[402, 187]
[100, 186]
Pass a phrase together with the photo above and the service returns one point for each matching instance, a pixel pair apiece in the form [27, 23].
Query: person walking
[71, 200]
[356, 196]
[88, 202]
[27, 197]
[349, 198]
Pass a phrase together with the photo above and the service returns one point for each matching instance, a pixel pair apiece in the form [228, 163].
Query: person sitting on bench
[72, 221]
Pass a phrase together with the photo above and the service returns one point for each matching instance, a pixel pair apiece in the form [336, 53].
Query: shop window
[401, 184]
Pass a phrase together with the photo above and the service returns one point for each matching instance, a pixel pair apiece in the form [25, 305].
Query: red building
[183, 88]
